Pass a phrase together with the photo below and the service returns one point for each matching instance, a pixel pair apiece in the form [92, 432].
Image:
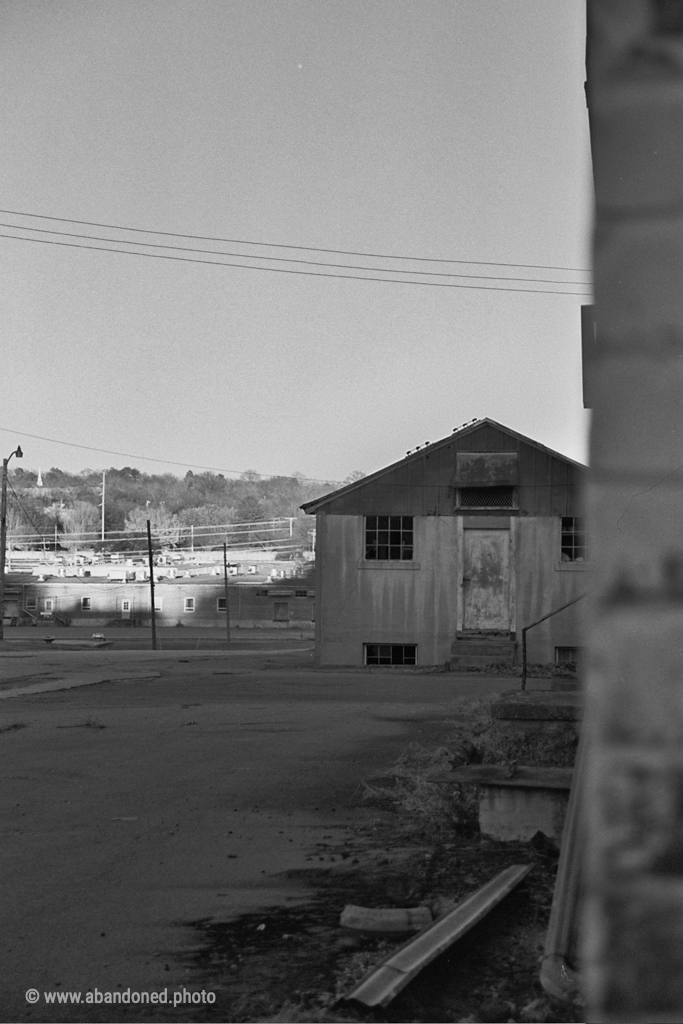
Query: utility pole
[227, 597]
[3, 536]
[103, 478]
[151, 585]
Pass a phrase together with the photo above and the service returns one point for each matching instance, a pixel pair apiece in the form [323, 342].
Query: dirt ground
[297, 964]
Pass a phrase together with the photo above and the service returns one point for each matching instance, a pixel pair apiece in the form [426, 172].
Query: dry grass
[411, 785]
[414, 784]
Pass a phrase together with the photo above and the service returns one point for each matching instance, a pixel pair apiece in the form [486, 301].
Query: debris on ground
[400, 967]
[417, 844]
[386, 919]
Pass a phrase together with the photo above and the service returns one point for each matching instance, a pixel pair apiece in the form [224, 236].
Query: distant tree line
[70, 504]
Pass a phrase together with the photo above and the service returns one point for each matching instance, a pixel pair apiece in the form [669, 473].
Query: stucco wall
[379, 602]
[417, 602]
[545, 583]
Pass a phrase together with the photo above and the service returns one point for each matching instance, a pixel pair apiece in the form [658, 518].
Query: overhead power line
[282, 524]
[280, 245]
[286, 259]
[289, 270]
[149, 458]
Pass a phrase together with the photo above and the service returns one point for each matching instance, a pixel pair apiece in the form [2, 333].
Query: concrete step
[482, 647]
[515, 806]
[479, 652]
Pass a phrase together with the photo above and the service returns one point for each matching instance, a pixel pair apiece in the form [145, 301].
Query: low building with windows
[193, 601]
[445, 556]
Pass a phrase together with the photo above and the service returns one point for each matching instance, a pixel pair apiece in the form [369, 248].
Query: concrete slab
[525, 777]
[515, 814]
[547, 705]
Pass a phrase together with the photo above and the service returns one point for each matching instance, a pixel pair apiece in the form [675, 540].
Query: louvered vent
[486, 497]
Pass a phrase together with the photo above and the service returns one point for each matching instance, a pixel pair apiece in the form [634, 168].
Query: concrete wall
[633, 947]
[418, 602]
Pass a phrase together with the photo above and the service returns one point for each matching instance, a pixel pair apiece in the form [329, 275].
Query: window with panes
[389, 538]
[573, 540]
[390, 654]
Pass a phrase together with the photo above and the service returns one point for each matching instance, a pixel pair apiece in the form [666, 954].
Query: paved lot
[181, 789]
[139, 638]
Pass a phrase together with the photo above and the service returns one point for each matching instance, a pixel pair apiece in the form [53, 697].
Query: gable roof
[311, 507]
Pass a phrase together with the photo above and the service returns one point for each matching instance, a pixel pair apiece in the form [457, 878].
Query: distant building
[191, 601]
[462, 543]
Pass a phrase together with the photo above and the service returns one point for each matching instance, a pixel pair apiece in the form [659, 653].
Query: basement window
[390, 654]
[389, 538]
[486, 497]
[573, 539]
[567, 655]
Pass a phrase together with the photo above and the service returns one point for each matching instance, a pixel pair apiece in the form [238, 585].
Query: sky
[422, 130]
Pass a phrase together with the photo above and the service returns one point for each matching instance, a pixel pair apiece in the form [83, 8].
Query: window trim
[391, 663]
[381, 534]
[572, 565]
[388, 566]
[569, 647]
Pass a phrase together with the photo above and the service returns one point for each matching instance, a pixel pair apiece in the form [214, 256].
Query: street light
[3, 536]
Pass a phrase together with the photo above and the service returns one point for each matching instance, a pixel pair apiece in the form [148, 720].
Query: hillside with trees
[66, 510]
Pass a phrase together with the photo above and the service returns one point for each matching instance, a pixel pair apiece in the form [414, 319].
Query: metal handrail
[538, 622]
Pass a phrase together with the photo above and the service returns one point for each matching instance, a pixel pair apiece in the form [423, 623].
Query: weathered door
[281, 611]
[486, 579]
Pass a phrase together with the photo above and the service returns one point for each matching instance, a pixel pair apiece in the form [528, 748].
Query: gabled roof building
[443, 557]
